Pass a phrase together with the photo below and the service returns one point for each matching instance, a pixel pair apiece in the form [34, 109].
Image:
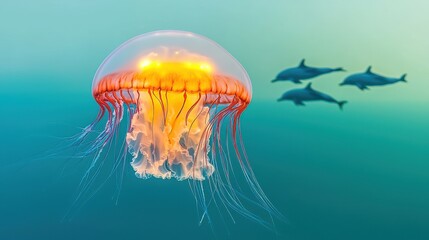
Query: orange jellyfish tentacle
[166, 104]
[152, 125]
[160, 103]
[137, 102]
[181, 108]
[218, 116]
[162, 106]
[196, 117]
[191, 108]
[203, 137]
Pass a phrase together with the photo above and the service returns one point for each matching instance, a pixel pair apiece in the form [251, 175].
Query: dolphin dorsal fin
[302, 63]
[308, 86]
[368, 70]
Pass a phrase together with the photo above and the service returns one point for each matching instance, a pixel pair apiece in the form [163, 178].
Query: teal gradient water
[361, 173]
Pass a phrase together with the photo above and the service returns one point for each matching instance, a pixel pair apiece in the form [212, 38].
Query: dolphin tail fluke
[402, 79]
[341, 104]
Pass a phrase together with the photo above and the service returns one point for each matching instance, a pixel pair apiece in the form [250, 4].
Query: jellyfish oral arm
[164, 139]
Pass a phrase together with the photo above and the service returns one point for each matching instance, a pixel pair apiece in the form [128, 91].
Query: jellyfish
[180, 96]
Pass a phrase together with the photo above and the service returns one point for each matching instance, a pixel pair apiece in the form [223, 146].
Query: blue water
[361, 173]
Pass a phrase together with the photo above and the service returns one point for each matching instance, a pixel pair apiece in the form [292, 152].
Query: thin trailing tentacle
[231, 197]
[102, 144]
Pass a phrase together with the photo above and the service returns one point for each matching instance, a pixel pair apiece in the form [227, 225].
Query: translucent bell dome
[172, 46]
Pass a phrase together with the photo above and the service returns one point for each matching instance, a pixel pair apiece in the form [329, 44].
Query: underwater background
[360, 173]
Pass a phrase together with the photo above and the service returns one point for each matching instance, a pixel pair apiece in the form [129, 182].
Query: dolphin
[303, 72]
[368, 78]
[300, 95]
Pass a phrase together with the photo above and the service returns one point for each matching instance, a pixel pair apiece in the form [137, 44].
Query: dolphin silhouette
[300, 95]
[303, 72]
[368, 78]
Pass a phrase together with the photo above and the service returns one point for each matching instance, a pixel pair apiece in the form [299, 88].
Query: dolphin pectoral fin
[297, 81]
[298, 103]
[362, 87]
[339, 69]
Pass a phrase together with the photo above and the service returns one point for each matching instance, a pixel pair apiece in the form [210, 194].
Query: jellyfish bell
[179, 46]
[178, 90]
[172, 77]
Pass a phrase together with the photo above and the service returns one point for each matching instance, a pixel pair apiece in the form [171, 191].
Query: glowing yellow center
[177, 66]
